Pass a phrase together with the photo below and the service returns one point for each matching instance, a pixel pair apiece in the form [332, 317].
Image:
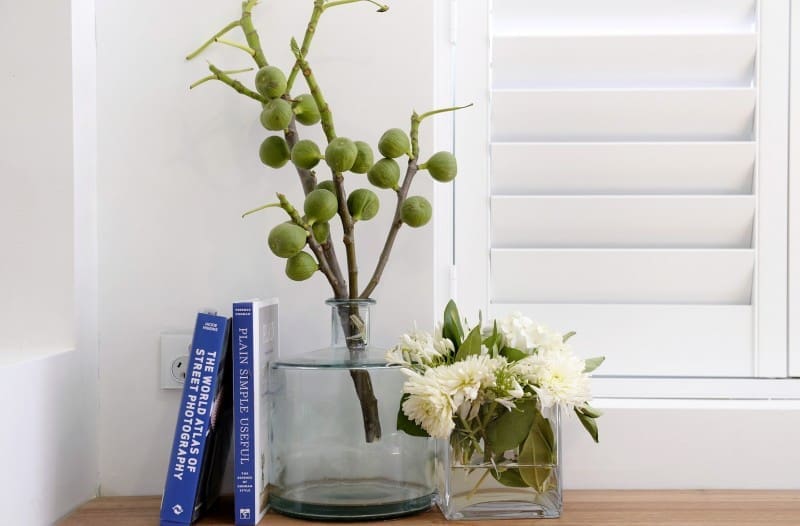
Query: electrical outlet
[175, 350]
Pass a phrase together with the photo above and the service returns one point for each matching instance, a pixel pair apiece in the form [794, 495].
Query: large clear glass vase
[335, 451]
[506, 487]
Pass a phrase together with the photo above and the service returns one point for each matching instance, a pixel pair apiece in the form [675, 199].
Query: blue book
[254, 340]
[203, 430]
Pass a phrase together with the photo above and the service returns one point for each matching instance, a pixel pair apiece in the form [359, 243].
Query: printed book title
[194, 414]
[243, 357]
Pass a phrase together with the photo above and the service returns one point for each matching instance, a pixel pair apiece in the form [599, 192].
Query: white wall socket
[175, 349]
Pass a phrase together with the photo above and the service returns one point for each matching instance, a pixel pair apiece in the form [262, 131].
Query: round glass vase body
[335, 451]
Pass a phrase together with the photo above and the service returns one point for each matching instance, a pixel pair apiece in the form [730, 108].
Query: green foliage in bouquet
[487, 390]
[280, 110]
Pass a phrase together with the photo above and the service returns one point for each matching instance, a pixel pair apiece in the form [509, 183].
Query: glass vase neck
[350, 323]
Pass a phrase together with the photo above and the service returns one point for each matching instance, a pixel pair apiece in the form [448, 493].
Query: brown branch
[348, 225]
[309, 181]
[397, 222]
[312, 243]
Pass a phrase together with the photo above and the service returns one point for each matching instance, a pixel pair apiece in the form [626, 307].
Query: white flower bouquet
[487, 390]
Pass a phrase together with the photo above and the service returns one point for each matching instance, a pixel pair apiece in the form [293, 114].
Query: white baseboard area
[47, 436]
[686, 445]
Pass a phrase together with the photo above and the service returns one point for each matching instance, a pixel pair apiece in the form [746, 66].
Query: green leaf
[567, 336]
[511, 428]
[493, 340]
[537, 454]
[593, 363]
[452, 329]
[591, 412]
[471, 345]
[588, 423]
[509, 477]
[407, 425]
[512, 354]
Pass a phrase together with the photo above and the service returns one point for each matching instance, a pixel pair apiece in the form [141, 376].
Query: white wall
[48, 374]
[176, 169]
[36, 173]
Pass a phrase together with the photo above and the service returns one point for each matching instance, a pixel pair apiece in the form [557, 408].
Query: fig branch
[322, 105]
[311, 30]
[214, 77]
[250, 33]
[330, 133]
[315, 247]
[319, 7]
[217, 35]
[223, 77]
[402, 195]
[382, 8]
[307, 178]
[250, 51]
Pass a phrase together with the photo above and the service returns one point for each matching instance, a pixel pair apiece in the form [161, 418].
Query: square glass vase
[505, 489]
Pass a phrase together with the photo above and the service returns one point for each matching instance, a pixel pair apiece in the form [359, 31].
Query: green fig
[301, 266]
[384, 174]
[320, 205]
[274, 151]
[276, 115]
[305, 110]
[394, 143]
[363, 204]
[364, 159]
[321, 230]
[442, 166]
[287, 239]
[327, 185]
[341, 154]
[306, 154]
[416, 211]
[270, 82]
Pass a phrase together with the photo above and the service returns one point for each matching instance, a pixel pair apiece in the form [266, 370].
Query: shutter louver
[624, 189]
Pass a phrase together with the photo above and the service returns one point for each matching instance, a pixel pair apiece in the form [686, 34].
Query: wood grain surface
[581, 508]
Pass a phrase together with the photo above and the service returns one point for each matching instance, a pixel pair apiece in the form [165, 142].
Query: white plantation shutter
[624, 174]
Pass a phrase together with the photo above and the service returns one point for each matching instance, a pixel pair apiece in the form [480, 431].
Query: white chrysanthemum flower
[428, 404]
[464, 380]
[520, 332]
[419, 347]
[558, 378]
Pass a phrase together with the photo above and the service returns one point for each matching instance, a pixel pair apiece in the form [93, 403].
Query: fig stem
[382, 8]
[308, 181]
[402, 194]
[311, 30]
[235, 23]
[250, 51]
[233, 83]
[397, 223]
[338, 181]
[260, 208]
[312, 243]
[442, 110]
[326, 116]
[250, 33]
[214, 77]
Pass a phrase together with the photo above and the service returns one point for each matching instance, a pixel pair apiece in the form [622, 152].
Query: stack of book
[224, 401]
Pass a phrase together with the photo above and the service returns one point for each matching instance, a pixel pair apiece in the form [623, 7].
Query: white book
[254, 345]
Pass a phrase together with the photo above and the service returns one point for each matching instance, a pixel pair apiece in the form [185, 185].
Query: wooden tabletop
[581, 508]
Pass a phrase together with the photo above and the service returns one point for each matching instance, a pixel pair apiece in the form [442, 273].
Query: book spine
[245, 492]
[194, 415]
